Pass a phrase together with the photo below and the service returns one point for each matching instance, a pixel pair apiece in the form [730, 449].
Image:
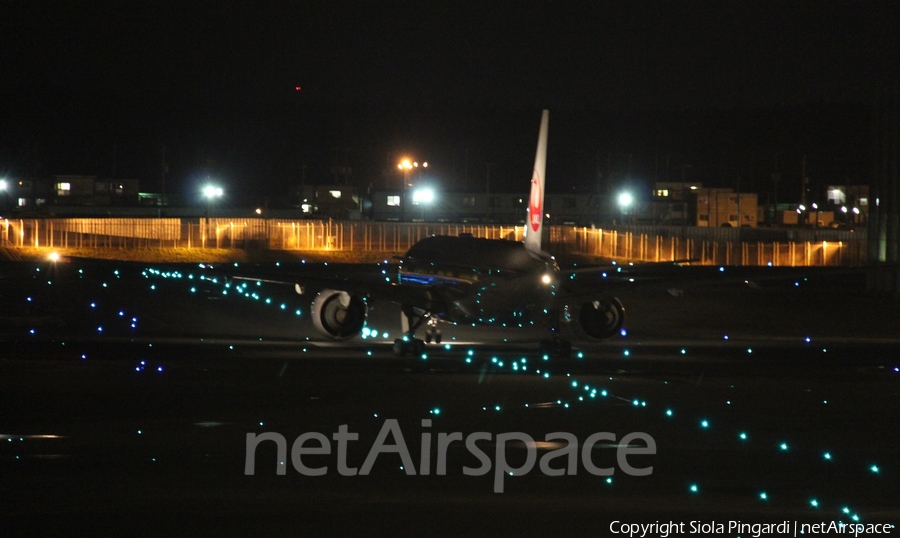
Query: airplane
[467, 280]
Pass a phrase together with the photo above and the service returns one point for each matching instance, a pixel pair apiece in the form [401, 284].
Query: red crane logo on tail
[535, 209]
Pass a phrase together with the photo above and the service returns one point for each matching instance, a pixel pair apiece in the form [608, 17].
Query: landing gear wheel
[432, 335]
[556, 348]
[409, 346]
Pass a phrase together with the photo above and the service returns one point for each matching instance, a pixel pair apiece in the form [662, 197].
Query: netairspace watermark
[731, 528]
[313, 443]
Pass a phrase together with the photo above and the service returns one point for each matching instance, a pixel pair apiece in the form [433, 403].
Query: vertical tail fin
[534, 222]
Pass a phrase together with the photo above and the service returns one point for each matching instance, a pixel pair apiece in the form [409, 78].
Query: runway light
[694, 488]
[763, 496]
[704, 424]
[814, 503]
[783, 446]
[668, 412]
[827, 455]
[743, 436]
[874, 469]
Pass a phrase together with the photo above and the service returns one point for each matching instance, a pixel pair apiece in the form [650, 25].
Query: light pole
[210, 192]
[625, 201]
[424, 198]
[406, 166]
[4, 188]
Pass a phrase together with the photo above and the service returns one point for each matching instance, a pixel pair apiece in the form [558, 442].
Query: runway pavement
[126, 402]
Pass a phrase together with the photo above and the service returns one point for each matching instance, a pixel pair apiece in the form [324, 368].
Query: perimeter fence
[789, 247]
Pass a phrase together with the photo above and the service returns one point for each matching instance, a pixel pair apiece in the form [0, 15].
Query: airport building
[479, 207]
[68, 190]
[725, 208]
[668, 203]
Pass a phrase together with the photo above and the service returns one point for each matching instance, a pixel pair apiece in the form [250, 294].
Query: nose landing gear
[432, 333]
[411, 345]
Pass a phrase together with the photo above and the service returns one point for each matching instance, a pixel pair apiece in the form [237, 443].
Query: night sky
[721, 91]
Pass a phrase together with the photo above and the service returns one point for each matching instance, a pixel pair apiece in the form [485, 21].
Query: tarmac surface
[127, 394]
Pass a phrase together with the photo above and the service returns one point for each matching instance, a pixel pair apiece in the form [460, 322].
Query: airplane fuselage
[482, 281]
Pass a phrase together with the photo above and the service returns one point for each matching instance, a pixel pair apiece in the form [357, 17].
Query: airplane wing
[678, 274]
[372, 281]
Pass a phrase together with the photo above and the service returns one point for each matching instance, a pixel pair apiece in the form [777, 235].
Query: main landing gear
[556, 348]
[409, 344]
[432, 333]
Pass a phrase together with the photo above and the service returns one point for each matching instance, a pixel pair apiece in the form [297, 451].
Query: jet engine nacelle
[339, 315]
[597, 318]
